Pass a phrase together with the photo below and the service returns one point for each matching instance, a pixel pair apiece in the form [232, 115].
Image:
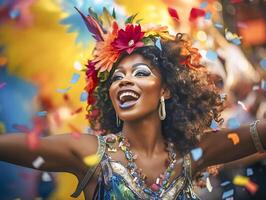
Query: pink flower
[129, 39]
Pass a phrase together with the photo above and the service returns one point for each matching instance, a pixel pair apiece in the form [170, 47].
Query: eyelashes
[141, 72]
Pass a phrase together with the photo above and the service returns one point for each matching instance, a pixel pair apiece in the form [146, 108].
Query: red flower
[129, 39]
[92, 81]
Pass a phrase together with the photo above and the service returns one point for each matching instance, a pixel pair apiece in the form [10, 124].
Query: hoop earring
[162, 112]
[118, 122]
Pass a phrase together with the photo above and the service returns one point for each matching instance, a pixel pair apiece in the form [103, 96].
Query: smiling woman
[150, 104]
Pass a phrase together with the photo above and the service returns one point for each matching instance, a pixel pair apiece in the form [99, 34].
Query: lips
[127, 98]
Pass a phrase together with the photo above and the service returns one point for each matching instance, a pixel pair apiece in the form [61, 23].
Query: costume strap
[91, 170]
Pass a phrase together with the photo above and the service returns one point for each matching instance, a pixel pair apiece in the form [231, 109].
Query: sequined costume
[115, 182]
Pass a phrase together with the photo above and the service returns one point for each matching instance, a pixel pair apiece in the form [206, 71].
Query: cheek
[112, 92]
[151, 92]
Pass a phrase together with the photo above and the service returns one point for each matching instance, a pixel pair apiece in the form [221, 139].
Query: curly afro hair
[194, 102]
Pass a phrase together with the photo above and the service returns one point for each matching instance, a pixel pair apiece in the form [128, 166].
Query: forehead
[131, 60]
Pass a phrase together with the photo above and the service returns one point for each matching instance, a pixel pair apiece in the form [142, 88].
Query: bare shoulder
[86, 145]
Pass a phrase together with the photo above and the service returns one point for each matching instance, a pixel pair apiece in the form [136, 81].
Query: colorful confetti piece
[242, 105]
[38, 162]
[203, 5]
[2, 85]
[78, 66]
[158, 43]
[208, 184]
[233, 123]
[63, 91]
[228, 193]
[218, 25]
[21, 128]
[208, 15]
[42, 113]
[75, 78]
[252, 187]
[196, 13]
[263, 63]
[225, 183]
[91, 160]
[240, 180]
[250, 172]
[196, 153]
[46, 177]
[211, 55]
[234, 137]
[84, 96]
[214, 125]
[78, 110]
[263, 85]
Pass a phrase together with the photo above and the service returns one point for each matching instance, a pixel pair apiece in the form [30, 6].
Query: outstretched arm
[218, 148]
[60, 152]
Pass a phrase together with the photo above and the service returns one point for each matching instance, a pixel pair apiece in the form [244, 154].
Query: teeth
[128, 94]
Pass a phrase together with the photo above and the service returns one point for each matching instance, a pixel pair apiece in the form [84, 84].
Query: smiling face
[136, 88]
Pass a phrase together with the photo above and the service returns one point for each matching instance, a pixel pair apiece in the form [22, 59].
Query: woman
[149, 89]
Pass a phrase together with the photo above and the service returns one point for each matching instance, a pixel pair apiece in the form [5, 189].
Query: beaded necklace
[157, 189]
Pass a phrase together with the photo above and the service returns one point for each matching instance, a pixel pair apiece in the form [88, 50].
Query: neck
[145, 135]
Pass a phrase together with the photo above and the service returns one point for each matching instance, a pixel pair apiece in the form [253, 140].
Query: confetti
[46, 177]
[263, 85]
[208, 15]
[84, 96]
[211, 55]
[15, 13]
[91, 160]
[78, 110]
[2, 85]
[250, 172]
[173, 13]
[78, 66]
[251, 187]
[196, 13]
[242, 105]
[38, 162]
[208, 184]
[214, 125]
[42, 113]
[234, 137]
[203, 5]
[225, 183]
[240, 180]
[218, 25]
[75, 78]
[263, 63]
[21, 128]
[62, 91]
[227, 194]
[233, 123]
[255, 87]
[196, 153]
[158, 43]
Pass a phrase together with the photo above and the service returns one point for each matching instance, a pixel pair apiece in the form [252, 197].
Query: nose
[125, 82]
